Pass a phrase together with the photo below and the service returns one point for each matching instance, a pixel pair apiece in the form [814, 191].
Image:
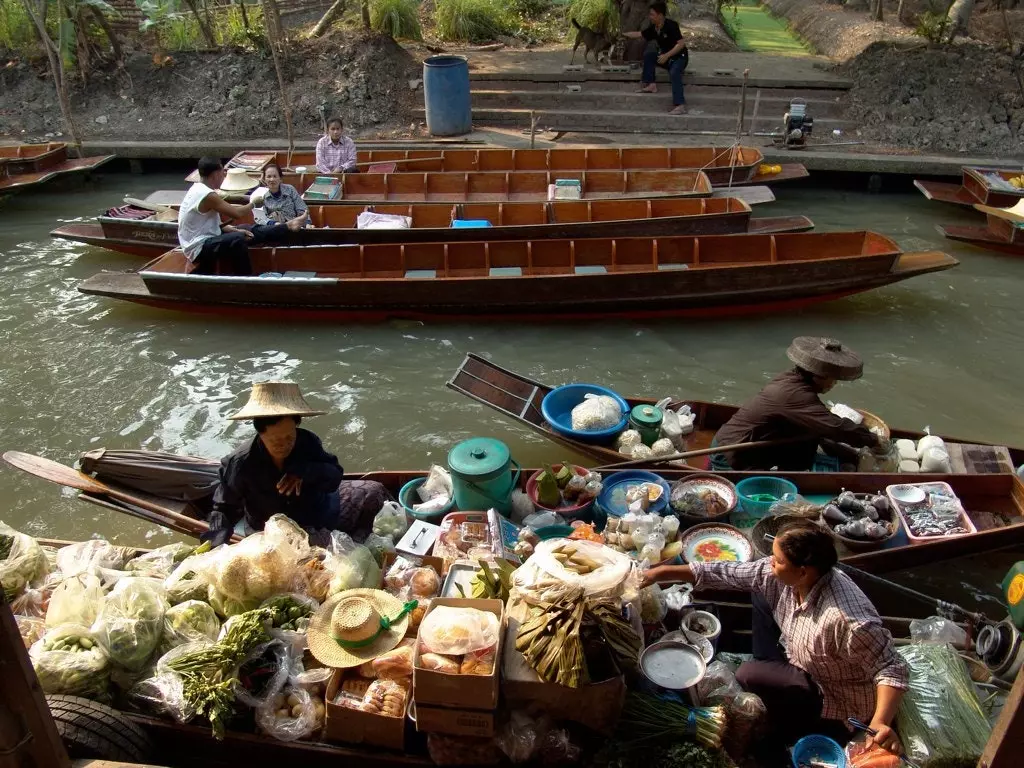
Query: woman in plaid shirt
[836, 660]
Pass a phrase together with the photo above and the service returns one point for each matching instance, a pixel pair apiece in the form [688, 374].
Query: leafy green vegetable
[665, 755]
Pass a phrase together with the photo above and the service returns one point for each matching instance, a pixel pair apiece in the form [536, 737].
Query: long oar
[61, 474]
[702, 452]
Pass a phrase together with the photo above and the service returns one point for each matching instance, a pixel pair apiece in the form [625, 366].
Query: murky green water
[79, 372]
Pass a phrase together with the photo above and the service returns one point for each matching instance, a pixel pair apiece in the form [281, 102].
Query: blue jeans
[675, 68]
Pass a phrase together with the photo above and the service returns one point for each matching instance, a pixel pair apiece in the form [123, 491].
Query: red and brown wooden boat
[519, 397]
[724, 165]
[1003, 231]
[987, 186]
[26, 165]
[151, 233]
[705, 276]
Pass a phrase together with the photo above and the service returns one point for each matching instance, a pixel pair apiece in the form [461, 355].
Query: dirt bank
[962, 98]
[836, 31]
[363, 77]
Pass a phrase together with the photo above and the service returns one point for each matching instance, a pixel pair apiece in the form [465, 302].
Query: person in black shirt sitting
[286, 470]
[672, 55]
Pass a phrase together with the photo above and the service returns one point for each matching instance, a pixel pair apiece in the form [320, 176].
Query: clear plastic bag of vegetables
[227, 607]
[131, 623]
[189, 580]
[160, 562]
[189, 622]
[163, 694]
[22, 561]
[390, 521]
[352, 565]
[288, 716]
[76, 600]
[31, 629]
[35, 600]
[69, 661]
[263, 674]
[289, 617]
[89, 555]
[940, 720]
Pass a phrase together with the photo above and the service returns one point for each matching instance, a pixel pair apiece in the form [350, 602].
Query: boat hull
[984, 186]
[983, 238]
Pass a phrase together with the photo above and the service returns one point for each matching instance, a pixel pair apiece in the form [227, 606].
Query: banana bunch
[767, 169]
[486, 584]
[1017, 182]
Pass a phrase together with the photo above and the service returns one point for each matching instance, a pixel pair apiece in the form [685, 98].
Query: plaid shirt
[331, 157]
[835, 635]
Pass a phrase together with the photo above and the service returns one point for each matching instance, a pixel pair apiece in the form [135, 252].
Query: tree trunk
[878, 12]
[329, 17]
[203, 26]
[245, 16]
[366, 14]
[899, 12]
[115, 44]
[82, 54]
[958, 15]
[277, 51]
[275, 30]
[38, 16]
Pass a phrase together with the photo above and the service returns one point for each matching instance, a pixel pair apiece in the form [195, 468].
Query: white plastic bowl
[908, 494]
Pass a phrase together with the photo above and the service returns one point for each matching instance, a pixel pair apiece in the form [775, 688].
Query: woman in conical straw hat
[285, 469]
[789, 406]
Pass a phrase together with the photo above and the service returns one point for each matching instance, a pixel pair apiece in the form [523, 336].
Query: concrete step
[705, 100]
[630, 86]
[824, 82]
[608, 121]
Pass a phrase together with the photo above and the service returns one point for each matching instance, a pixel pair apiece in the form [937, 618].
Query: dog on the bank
[598, 42]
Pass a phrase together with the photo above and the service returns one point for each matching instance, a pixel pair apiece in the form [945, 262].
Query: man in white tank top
[200, 233]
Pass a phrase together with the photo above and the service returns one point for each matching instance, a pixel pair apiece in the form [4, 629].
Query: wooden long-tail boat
[987, 186]
[737, 166]
[519, 397]
[706, 276]
[1003, 231]
[26, 165]
[137, 231]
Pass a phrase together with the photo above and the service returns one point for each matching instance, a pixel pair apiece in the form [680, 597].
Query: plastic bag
[76, 600]
[542, 520]
[520, 736]
[396, 663]
[22, 561]
[260, 565]
[161, 562]
[678, 596]
[263, 674]
[390, 521]
[163, 694]
[189, 580]
[653, 607]
[227, 607]
[87, 555]
[940, 720]
[935, 629]
[935, 459]
[795, 504]
[862, 752]
[35, 601]
[437, 485]
[288, 716]
[31, 628]
[671, 428]
[131, 622]
[718, 686]
[846, 412]
[596, 412]
[747, 717]
[614, 577]
[408, 580]
[457, 631]
[189, 622]
[379, 546]
[69, 661]
[627, 441]
[352, 565]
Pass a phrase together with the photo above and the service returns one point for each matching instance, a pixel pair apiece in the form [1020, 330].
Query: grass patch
[599, 15]
[180, 31]
[16, 32]
[470, 21]
[755, 29]
[398, 18]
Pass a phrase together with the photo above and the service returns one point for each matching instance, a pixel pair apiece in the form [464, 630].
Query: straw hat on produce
[356, 626]
[275, 398]
[238, 180]
[825, 357]
[1010, 214]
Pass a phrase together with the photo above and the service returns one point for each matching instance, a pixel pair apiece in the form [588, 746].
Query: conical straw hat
[1010, 214]
[238, 180]
[275, 398]
[825, 357]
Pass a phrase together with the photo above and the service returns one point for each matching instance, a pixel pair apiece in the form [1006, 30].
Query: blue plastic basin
[557, 409]
[820, 749]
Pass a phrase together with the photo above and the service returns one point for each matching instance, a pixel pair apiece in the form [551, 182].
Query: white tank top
[194, 227]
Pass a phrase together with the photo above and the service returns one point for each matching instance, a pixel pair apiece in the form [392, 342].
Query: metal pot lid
[479, 457]
[646, 415]
[826, 357]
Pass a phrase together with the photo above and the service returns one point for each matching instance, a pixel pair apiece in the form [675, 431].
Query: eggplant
[876, 531]
[850, 504]
[834, 515]
[855, 529]
[881, 503]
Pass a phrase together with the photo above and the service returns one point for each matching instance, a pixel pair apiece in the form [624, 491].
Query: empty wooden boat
[138, 231]
[1003, 230]
[519, 397]
[723, 165]
[26, 165]
[705, 276]
[987, 186]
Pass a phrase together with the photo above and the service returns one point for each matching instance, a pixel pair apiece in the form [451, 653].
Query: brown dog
[598, 42]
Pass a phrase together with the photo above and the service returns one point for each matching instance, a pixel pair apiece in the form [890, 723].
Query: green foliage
[16, 34]
[599, 15]
[474, 21]
[398, 18]
[177, 29]
[932, 25]
[529, 9]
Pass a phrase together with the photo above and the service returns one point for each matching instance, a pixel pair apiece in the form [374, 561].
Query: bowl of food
[861, 521]
[907, 494]
[702, 499]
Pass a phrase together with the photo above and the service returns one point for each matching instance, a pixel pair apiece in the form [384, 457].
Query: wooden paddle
[61, 474]
[155, 207]
[368, 163]
[701, 452]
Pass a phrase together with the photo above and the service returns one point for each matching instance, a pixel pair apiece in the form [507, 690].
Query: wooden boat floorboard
[74, 165]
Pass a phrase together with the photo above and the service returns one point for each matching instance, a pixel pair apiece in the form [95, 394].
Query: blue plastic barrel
[446, 95]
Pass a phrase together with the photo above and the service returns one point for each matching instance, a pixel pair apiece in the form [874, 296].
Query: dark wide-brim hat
[826, 357]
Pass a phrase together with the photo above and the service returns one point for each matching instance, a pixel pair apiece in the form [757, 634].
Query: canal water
[79, 372]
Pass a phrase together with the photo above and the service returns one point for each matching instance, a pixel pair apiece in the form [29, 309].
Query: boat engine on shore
[796, 125]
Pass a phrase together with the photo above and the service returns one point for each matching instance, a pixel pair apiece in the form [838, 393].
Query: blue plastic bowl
[751, 509]
[556, 531]
[815, 747]
[408, 496]
[557, 409]
[612, 501]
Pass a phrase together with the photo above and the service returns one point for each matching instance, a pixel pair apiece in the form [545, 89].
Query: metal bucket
[673, 667]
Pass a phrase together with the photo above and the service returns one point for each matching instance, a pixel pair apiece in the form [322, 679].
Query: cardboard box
[455, 722]
[355, 727]
[460, 691]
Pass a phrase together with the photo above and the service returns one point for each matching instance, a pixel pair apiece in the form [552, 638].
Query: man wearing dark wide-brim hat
[789, 407]
[286, 470]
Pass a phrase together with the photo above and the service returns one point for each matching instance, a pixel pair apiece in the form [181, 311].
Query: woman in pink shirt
[335, 153]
